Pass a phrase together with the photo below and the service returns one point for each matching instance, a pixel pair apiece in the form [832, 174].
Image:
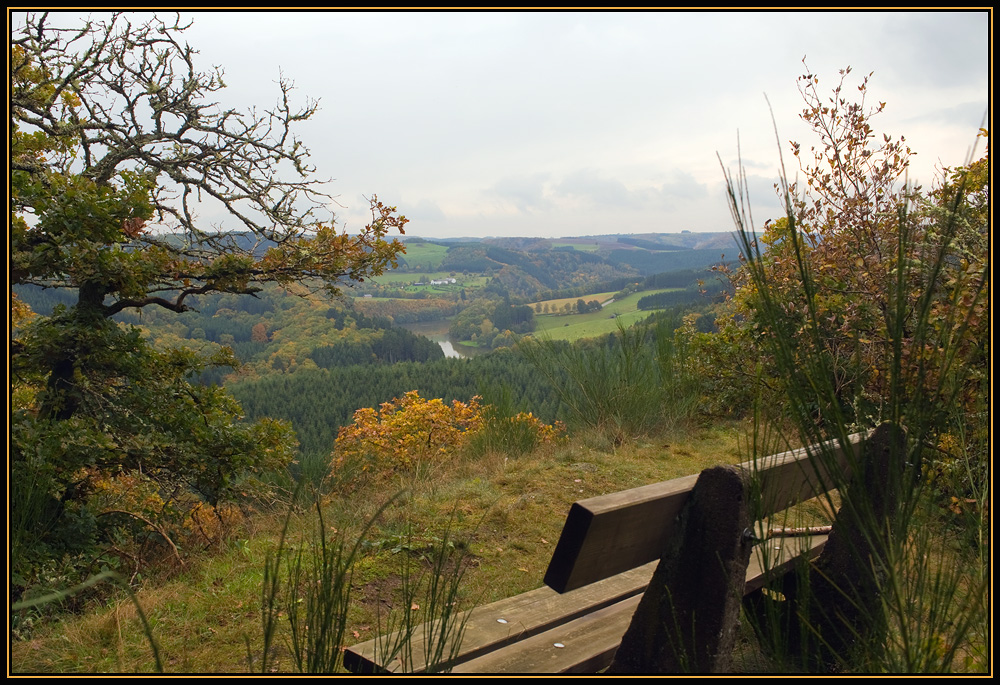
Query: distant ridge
[724, 240]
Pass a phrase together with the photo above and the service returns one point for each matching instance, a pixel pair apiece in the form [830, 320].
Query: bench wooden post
[833, 607]
[687, 618]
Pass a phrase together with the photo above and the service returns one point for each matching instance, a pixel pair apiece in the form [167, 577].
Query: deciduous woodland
[222, 439]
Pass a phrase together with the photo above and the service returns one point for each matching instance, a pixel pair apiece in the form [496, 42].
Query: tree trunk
[82, 325]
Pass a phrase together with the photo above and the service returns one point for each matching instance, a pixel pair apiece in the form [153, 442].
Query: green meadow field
[576, 326]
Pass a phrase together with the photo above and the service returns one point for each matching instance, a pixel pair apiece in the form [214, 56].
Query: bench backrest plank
[610, 534]
[796, 476]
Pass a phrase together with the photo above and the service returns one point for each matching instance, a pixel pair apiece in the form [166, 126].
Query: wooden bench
[607, 553]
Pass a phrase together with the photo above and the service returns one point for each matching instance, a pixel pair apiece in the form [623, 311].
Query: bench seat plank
[583, 645]
[588, 644]
[524, 615]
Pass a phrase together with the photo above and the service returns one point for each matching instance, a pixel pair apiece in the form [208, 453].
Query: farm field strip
[576, 326]
[600, 297]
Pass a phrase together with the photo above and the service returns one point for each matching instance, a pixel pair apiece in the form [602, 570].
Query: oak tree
[116, 145]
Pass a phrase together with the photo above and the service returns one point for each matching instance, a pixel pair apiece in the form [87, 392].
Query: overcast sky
[556, 124]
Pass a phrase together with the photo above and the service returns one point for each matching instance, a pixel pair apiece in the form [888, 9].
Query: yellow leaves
[209, 524]
[408, 430]
[546, 433]
[19, 311]
[412, 429]
[71, 100]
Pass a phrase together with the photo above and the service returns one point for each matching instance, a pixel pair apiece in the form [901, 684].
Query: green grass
[424, 256]
[592, 324]
[506, 512]
[600, 297]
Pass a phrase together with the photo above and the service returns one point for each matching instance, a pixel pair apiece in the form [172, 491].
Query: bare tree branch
[124, 107]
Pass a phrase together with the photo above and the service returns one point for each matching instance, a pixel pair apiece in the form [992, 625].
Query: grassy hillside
[423, 256]
[506, 513]
[592, 324]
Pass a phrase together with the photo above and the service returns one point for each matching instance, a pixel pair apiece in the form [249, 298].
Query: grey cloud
[465, 109]
[593, 186]
[949, 48]
[970, 114]
[426, 210]
[683, 186]
[526, 193]
[608, 192]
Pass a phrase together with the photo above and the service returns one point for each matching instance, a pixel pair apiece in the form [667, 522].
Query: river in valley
[438, 332]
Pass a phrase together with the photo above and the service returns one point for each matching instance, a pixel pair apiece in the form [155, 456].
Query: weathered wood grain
[510, 620]
[602, 564]
[537, 620]
[609, 534]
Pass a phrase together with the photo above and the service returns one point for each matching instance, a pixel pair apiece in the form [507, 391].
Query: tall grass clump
[425, 634]
[868, 307]
[507, 429]
[306, 596]
[628, 384]
[57, 597]
[310, 586]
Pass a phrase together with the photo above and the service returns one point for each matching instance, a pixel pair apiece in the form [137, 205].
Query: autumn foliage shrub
[411, 430]
[158, 517]
[406, 431]
[868, 303]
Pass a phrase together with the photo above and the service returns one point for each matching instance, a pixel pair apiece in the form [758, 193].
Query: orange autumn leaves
[411, 429]
[408, 430]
